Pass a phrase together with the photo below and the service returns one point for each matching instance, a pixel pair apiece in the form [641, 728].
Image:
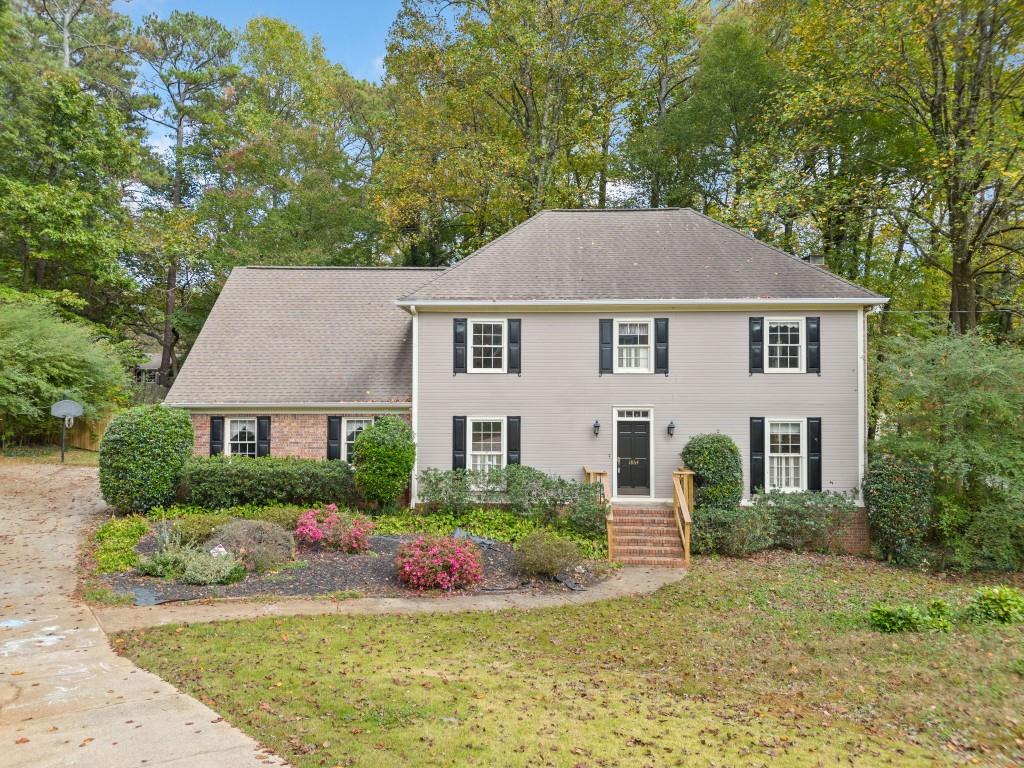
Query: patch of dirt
[326, 572]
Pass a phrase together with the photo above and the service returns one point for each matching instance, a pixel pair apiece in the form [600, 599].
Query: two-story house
[599, 338]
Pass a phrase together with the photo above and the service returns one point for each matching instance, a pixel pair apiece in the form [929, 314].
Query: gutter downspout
[413, 486]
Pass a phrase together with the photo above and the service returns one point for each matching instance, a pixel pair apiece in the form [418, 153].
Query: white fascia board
[293, 407]
[575, 304]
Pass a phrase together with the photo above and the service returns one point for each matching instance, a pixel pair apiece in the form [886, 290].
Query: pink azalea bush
[439, 563]
[345, 531]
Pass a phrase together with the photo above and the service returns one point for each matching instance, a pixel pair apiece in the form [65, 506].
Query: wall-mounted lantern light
[597, 427]
[671, 428]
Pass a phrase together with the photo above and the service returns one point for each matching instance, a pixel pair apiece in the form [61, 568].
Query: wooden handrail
[682, 503]
[601, 476]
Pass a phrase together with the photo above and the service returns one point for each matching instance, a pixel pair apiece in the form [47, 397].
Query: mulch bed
[327, 572]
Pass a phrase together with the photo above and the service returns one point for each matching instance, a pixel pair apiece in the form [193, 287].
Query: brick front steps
[646, 535]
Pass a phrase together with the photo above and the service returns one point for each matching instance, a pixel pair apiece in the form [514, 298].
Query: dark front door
[634, 459]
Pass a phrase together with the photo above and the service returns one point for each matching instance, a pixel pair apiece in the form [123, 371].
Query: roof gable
[663, 254]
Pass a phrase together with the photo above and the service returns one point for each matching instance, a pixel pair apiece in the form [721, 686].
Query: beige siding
[708, 389]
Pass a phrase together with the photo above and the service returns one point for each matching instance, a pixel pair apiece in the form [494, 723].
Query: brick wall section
[301, 435]
[853, 537]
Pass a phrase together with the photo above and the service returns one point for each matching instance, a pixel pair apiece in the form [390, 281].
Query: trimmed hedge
[808, 520]
[733, 531]
[898, 497]
[142, 455]
[385, 454]
[715, 459]
[216, 482]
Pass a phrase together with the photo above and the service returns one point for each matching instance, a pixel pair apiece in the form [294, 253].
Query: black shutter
[515, 332]
[216, 435]
[459, 338]
[333, 438]
[606, 346]
[458, 442]
[813, 345]
[756, 454]
[512, 454]
[262, 435]
[661, 345]
[757, 345]
[814, 454]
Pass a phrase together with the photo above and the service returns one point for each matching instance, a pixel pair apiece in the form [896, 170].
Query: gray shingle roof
[303, 335]
[631, 254]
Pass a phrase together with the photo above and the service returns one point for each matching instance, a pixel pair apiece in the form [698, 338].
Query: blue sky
[354, 33]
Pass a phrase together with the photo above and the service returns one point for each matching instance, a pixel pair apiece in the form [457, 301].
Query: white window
[352, 428]
[784, 351]
[787, 454]
[487, 346]
[241, 437]
[633, 346]
[486, 442]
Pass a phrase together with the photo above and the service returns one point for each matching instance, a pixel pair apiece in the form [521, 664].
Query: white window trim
[802, 346]
[650, 344]
[470, 420]
[615, 451]
[344, 434]
[227, 432]
[768, 455]
[469, 345]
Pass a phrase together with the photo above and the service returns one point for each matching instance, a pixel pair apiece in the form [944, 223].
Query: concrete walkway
[66, 699]
[625, 583]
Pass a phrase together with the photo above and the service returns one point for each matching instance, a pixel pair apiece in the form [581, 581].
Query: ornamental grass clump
[330, 529]
[442, 563]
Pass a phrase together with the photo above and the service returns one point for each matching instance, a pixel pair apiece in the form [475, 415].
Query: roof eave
[412, 304]
[368, 405]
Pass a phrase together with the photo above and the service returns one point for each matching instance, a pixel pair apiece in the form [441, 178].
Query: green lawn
[763, 662]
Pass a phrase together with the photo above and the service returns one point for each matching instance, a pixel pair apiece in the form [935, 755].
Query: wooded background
[138, 164]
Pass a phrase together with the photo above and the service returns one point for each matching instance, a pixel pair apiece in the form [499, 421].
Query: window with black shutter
[512, 454]
[606, 345]
[333, 438]
[515, 333]
[756, 454]
[756, 343]
[661, 345]
[458, 442]
[459, 345]
[814, 453]
[216, 435]
[813, 344]
[263, 436]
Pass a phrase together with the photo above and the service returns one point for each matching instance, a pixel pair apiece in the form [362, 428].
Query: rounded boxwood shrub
[142, 455]
[384, 457]
[898, 499]
[715, 459]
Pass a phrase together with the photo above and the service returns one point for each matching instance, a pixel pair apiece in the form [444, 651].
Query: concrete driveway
[66, 699]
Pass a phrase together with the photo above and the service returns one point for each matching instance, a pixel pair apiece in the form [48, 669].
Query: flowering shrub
[439, 563]
[344, 531]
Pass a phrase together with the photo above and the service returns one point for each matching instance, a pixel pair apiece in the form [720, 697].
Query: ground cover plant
[115, 543]
[767, 661]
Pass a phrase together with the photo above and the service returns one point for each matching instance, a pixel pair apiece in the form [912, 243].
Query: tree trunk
[169, 337]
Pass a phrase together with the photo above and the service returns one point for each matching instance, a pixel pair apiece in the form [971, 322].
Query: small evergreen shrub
[734, 531]
[195, 529]
[439, 563]
[910, 618]
[715, 460]
[116, 541]
[218, 482]
[142, 455]
[345, 531]
[202, 568]
[446, 490]
[259, 545]
[385, 454]
[542, 553]
[806, 520]
[999, 605]
[897, 495]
